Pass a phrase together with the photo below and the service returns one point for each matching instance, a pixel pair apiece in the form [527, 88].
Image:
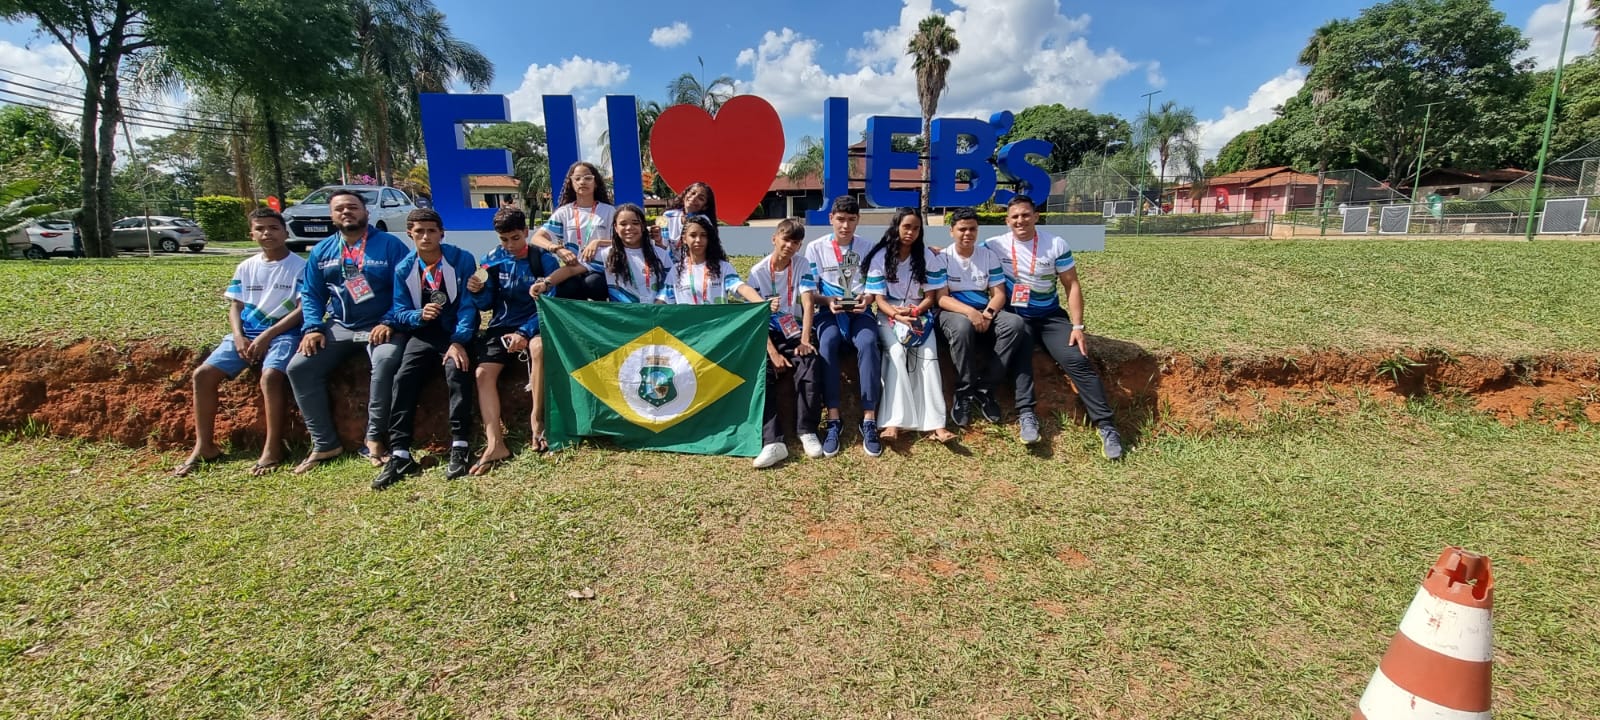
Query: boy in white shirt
[264, 315]
[777, 277]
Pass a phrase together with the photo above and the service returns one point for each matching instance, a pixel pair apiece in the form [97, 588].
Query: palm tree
[405, 48]
[687, 89]
[1325, 86]
[807, 162]
[1174, 132]
[930, 50]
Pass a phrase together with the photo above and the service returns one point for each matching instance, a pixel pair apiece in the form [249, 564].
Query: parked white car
[310, 221]
[41, 239]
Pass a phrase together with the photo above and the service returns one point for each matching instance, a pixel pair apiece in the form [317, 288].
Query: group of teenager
[892, 302]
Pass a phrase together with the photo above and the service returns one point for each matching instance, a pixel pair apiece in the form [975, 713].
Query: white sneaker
[771, 454]
[812, 445]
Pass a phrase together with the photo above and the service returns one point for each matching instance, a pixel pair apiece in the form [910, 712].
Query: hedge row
[224, 217]
[1168, 224]
[1046, 218]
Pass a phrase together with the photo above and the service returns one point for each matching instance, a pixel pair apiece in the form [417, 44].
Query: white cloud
[1544, 33]
[1014, 53]
[1258, 110]
[1153, 76]
[51, 76]
[583, 78]
[672, 35]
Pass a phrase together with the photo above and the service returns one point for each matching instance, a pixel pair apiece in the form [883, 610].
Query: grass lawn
[1249, 573]
[1167, 294]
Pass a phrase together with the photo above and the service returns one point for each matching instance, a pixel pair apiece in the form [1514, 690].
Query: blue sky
[1231, 61]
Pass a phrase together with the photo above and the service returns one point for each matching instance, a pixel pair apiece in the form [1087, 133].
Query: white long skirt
[913, 393]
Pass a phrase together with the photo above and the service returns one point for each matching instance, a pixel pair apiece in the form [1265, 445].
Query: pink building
[1273, 188]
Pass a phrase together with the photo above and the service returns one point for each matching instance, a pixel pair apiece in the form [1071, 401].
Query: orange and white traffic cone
[1438, 666]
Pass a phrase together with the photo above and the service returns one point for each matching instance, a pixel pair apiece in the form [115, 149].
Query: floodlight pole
[1144, 157]
[1416, 183]
[1549, 121]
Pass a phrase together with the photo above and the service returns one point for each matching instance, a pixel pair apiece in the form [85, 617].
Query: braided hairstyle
[617, 258]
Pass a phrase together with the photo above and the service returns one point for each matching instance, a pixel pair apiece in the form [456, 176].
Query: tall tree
[33, 145]
[1174, 132]
[405, 48]
[1325, 80]
[100, 35]
[1396, 57]
[1076, 134]
[687, 89]
[930, 50]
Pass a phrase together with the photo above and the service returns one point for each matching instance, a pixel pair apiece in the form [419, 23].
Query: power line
[218, 121]
[45, 104]
[153, 115]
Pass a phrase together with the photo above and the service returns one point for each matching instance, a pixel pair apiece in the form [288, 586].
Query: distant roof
[494, 181]
[1263, 177]
[1446, 176]
[899, 179]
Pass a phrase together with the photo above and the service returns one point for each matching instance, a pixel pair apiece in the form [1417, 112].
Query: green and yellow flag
[682, 378]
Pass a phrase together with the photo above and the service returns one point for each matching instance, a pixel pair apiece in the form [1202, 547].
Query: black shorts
[491, 350]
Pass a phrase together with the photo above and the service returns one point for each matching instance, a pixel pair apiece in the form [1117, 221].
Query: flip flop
[192, 464]
[539, 444]
[482, 467]
[311, 462]
[263, 468]
[947, 438]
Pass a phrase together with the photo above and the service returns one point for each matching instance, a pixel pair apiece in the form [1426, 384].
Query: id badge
[360, 291]
[789, 326]
[362, 336]
[1020, 294]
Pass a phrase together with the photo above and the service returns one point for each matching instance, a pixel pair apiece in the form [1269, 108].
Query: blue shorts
[227, 358]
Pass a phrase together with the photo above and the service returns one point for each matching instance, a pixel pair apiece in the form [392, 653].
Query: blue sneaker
[1110, 442]
[869, 438]
[830, 438]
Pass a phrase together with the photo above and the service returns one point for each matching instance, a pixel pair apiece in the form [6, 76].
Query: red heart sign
[737, 153]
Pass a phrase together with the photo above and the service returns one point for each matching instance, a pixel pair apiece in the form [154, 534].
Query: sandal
[195, 462]
[312, 461]
[263, 468]
[539, 444]
[944, 436]
[366, 453]
[482, 466]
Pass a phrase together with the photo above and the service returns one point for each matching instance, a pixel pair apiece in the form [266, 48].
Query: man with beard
[345, 296]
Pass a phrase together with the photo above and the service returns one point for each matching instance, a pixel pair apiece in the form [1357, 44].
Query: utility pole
[1144, 160]
[1549, 121]
[1416, 183]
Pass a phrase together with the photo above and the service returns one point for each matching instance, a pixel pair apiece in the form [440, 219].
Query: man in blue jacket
[433, 308]
[345, 296]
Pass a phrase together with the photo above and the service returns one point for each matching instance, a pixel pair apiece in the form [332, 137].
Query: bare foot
[942, 435]
[888, 434]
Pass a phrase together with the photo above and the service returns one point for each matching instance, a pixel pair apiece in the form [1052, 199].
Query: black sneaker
[397, 468]
[460, 462]
[961, 411]
[988, 408]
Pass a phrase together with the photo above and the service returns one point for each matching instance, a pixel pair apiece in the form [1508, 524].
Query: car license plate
[316, 228]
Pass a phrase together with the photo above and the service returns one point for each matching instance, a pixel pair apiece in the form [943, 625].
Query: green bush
[223, 217]
[1046, 218]
[1171, 224]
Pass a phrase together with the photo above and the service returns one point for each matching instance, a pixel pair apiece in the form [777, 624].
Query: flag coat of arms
[681, 378]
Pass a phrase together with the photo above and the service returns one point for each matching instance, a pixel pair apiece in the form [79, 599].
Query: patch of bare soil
[139, 394]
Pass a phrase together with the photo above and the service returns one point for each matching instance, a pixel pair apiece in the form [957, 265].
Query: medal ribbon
[357, 254]
[705, 278]
[1033, 260]
[838, 258]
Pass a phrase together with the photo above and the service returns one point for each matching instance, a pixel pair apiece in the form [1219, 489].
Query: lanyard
[431, 275]
[578, 213]
[644, 262]
[1033, 259]
[705, 279]
[357, 258]
[905, 296]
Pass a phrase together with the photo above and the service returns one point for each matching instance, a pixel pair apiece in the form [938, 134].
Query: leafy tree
[1578, 112]
[33, 145]
[807, 162]
[1174, 133]
[1260, 147]
[1377, 71]
[687, 89]
[404, 48]
[529, 155]
[1077, 134]
[930, 50]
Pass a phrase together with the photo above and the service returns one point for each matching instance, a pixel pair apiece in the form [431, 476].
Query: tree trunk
[274, 146]
[94, 233]
[110, 115]
[238, 152]
[381, 161]
[925, 159]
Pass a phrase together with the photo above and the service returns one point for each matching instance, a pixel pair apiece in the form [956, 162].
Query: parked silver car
[310, 221]
[167, 234]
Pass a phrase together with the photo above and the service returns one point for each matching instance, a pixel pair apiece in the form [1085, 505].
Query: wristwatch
[1077, 327]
